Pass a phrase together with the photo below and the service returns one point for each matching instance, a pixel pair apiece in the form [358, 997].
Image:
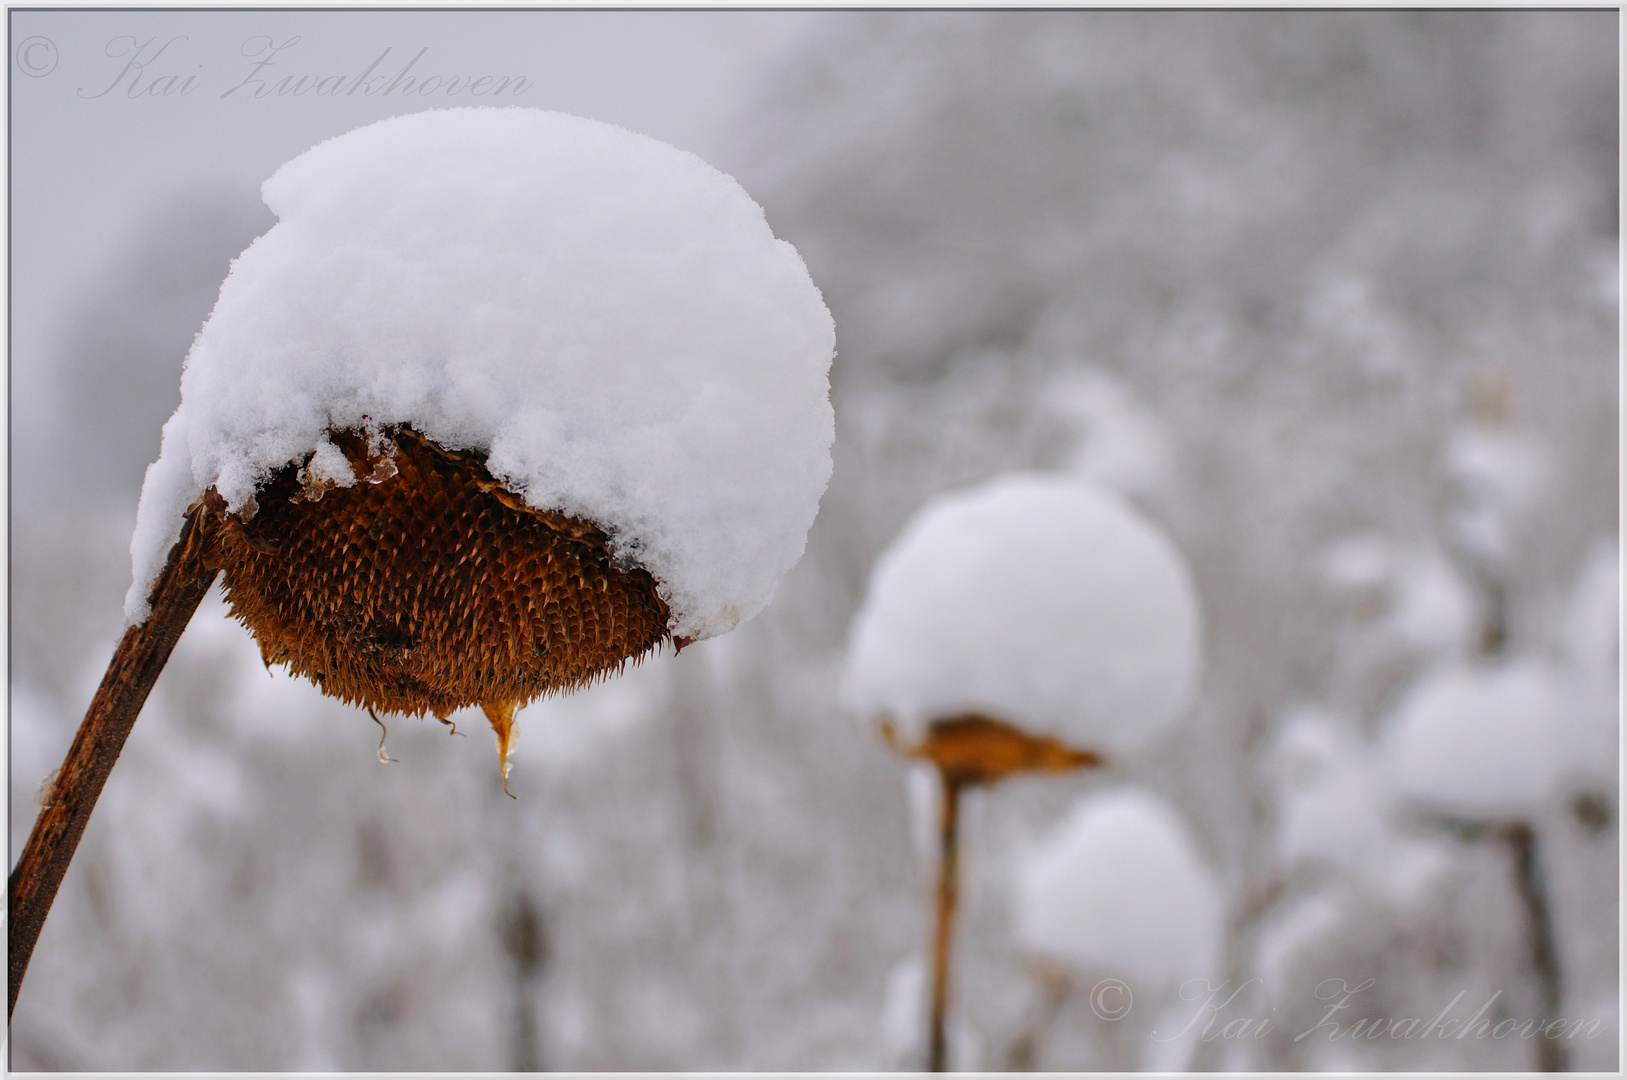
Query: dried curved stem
[134, 669]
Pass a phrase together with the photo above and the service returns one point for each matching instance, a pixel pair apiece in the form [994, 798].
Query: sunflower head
[417, 583]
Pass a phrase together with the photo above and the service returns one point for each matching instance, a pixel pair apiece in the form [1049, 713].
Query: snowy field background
[1331, 297]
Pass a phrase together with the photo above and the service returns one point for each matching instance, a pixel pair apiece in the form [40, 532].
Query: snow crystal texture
[1118, 888]
[608, 317]
[1046, 602]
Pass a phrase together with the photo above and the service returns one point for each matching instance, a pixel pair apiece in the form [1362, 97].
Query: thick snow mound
[609, 317]
[1049, 603]
[1483, 743]
[1120, 443]
[1118, 888]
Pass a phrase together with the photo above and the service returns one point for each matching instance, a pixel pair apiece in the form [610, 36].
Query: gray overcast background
[1331, 297]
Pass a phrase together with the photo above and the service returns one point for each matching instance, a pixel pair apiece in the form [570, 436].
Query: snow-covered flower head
[505, 399]
[1480, 742]
[1045, 602]
[607, 320]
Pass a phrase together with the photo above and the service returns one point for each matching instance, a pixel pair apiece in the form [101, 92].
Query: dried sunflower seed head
[428, 587]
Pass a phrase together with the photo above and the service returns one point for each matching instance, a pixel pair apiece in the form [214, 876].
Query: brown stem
[141, 655]
[1522, 841]
[524, 939]
[948, 896]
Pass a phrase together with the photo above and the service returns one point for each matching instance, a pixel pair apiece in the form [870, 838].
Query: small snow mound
[1482, 743]
[1048, 603]
[1331, 808]
[1120, 442]
[1591, 633]
[1118, 888]
[1434, 609]
[1426, 604]
[1497, 474]
[1291, 932]
[608, 317]
[1496, 464]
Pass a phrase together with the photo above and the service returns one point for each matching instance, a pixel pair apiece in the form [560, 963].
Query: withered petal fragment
[384, 733]
[501, 715]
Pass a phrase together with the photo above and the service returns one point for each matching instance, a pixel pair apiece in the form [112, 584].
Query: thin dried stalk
[1544, 956]
[943, 938]
[1541, 951]
[971, 749]
[134, 669]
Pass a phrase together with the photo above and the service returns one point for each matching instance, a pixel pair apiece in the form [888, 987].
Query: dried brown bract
[976, 749]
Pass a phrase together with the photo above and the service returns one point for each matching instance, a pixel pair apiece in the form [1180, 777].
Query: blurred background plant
[1332, 297]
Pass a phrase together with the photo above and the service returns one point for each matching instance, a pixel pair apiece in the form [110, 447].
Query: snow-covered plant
[1335, 856]
[1481, 743]
[1331, 801]
[1496, 473]
[1118, 889]
[607, 321]
[1478, 751]
[1334, 809]
[1030, 624]
[1116, 893]
[1417, 601]
[1047, 603]
[505, 399]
